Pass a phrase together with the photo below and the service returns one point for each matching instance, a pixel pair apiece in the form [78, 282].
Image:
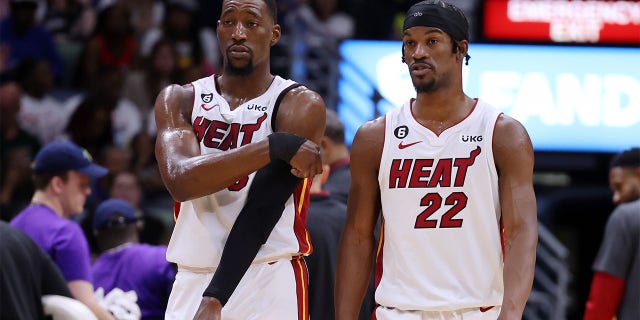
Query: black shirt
[27, 274]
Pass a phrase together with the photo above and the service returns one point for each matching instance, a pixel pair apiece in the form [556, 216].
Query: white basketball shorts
[275, 290]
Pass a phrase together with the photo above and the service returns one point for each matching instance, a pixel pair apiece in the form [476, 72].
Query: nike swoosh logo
[485, 309]
[204, 106]
[402, 146]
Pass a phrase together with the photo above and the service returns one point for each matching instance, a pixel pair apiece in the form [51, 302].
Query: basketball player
[452, 177]
[213, 135]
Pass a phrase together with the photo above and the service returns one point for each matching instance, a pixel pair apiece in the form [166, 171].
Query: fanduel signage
[569, 98]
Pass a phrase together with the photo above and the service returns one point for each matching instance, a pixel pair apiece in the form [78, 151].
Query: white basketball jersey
[441, 246]
[203, 224]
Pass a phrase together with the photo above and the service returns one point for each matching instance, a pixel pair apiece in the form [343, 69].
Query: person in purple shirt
[61, 175]
[126, 264]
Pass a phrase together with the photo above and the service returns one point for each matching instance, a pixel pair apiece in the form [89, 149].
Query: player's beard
[431, 85]
[425, 86]
[239, 71]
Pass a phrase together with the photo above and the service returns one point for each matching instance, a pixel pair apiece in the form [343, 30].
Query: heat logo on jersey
[225, 136]
[430, 173]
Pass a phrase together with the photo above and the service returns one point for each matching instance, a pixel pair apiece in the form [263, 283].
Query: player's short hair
[334, 129]
[273, 9]
[629, 158]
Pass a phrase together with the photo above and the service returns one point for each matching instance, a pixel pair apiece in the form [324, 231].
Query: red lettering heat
[200, 126]
[215, 133]
[463, 164]
[231, 140]
[249, 129]
[441, 174]
[399, 174]
[225, 136]
[422, 173]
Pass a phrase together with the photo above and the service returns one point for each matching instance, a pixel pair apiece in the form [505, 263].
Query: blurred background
[89, 71]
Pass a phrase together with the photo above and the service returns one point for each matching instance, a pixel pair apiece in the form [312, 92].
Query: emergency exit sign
[570, 21]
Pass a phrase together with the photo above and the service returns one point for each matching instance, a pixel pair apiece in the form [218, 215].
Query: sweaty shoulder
[511, 141]
[302, 111]
[302, 99]
[369, 140]
[509, 133]
[175, 98]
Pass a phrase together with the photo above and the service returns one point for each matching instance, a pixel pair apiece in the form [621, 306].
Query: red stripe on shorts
[302, 286]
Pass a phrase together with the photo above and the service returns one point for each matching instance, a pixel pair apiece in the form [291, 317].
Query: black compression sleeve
[271, 187]
[284, 145]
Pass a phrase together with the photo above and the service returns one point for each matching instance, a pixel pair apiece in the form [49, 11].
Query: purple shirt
[61, 238]
[139, 267]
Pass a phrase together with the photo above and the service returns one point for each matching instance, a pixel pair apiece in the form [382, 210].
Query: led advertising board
[573, 21]
[582, 99]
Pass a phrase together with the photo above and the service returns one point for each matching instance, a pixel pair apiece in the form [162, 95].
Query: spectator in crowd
[90, 125]
[18, 149]
[145, 15]
[615, 289]
[21, 37]
[113, 43]
[62, 171]
[325, 22]
[145, 166]
[116, 160]
[125, 186]
[27, 275]
[335, 153]
[126, 264]
[41, 114]
[103, 117]
[197, 47]
[159, 70]
[69, 20]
